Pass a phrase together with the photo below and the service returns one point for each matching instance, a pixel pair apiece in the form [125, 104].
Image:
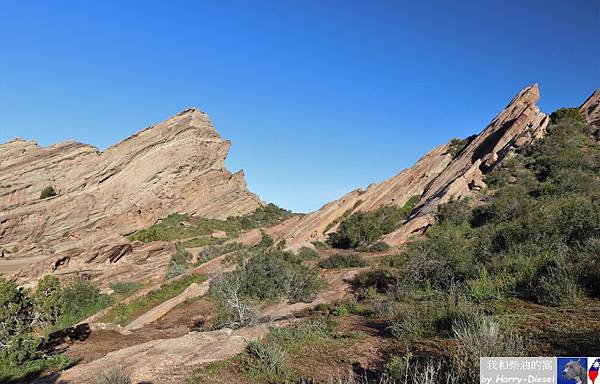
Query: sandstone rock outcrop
[175, 166]
[436, 178]
[164, 361]
[590, 109]
[518, 124]
[396, 190]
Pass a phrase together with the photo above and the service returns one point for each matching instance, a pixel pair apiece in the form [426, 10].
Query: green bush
[124, 313]
[379, 246]
[307, 253]
[566, 113]
[17, 316]
[267, 358]
[455, 146]
[179, 262]
[343, 260]
[264, 277]
[361, 229]
[382, 279]
[181, 226]
[48, 192]
[125, 288]
[49, 299]
[81, 299]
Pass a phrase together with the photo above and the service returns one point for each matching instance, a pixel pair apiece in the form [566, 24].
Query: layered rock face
[175, 166]
[436, 178]
[590, 109]
[394, 191]
[518, 124]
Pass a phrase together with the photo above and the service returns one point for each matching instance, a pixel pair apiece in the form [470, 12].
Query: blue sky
[318, 97]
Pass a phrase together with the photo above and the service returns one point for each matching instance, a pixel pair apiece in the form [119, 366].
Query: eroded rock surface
[518, 124]
[397, 190]
[175, 166]
[590, 109]
[165, 360]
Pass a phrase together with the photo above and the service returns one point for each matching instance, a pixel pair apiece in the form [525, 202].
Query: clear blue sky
[318, 97]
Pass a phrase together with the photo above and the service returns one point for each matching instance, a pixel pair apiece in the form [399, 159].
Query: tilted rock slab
[518, 124]
[164, 361]
[175, 166]
[397, 190]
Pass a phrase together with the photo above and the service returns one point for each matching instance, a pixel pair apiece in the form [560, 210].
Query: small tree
[17, 315]
[49, 191]
[49, 299]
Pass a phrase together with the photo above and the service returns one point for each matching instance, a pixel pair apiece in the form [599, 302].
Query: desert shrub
[487, 286]
[180, 226]
[307, 253]
[480, 338]
[179, 261]
[212, 251]
[455, 212]
[455, 145]
[358, 229]
[555, 286]
[115, 375]
[269, 277]
[125, 288]
[266, 358]
[361, 229]
[81, 299]
[382, 279]
[320, 244]
[566, 113]
[48, 191]
[379, 246]
[266, 241]
[343, 260]
[265, 216]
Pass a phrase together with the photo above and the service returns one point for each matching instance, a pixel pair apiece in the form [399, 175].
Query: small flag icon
[593, 372]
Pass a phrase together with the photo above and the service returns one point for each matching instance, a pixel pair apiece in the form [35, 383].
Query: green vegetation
[179, 262]
[455, 146]
[180, 226]
[532, 236]
[123, 314]
[261, 276]
[28, 315]
[361, 229]
[125, 288]
[48, 192]
[343, 260]
[276, 359]
[567, 114]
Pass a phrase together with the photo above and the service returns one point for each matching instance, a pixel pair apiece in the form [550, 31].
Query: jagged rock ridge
[175, 166]
[436, 177]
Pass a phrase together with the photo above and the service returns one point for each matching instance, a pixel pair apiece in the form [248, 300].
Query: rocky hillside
[450, 171]
[100, 196]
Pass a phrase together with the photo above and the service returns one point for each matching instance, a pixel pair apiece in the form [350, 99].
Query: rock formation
[175, 166]
[590, 109]
[518, 124]
[436, 177]
[298, 232]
